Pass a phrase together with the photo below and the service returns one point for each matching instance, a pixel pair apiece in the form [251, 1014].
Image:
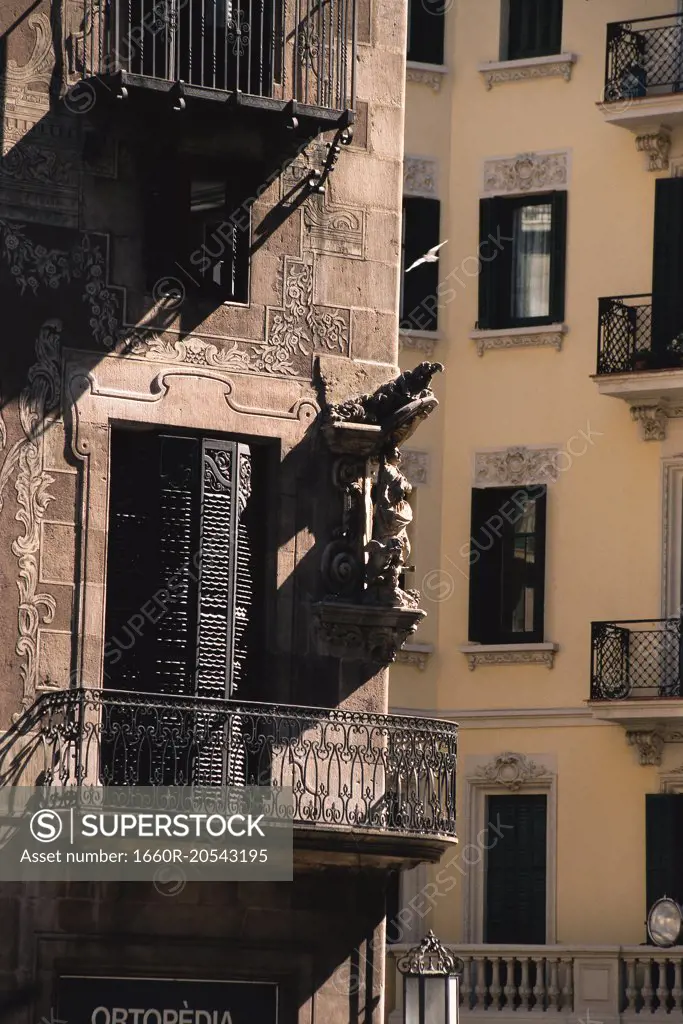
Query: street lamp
[665, 922]
[430, 983]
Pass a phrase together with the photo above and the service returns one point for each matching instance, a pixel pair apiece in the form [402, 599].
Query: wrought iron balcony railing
[347, 770]
[644, 57]
[626, 340]
[271, 50]
[640, 658]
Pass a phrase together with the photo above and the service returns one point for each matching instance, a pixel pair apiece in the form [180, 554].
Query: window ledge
[420, 341]
[426, 74]
[415, 654]
[557, 65]
[520, 337]
[509, 654]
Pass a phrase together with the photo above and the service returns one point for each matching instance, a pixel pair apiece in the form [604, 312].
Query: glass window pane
[530, 284]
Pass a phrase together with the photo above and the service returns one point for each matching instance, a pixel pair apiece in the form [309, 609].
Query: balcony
[638, 365]
[564, 983]
[644, 74]
[636, 680]
[378, 786]
[254, 66]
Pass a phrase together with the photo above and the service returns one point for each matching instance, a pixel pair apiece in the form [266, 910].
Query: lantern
[430, 983]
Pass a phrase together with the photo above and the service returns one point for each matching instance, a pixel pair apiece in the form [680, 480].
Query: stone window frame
[491, 775]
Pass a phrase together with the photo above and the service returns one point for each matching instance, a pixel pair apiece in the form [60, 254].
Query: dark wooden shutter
[485, 565]
[420, 233]
[426, 31]
[667, 273]
[534, 28]
[515, 894]
[494, 289]
[558, 257]
[664, 846]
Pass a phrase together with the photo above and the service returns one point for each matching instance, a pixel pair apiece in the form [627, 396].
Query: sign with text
[165, 1001]
[144, 833]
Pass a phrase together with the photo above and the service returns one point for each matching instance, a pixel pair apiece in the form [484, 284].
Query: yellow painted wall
[604, 558]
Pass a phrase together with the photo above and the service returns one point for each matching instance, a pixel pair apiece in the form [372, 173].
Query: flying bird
[429, 257]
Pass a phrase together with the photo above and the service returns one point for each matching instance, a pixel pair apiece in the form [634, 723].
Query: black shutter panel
[541, 495]
[515, 894]
[485, 565]
[534, 28]
[667, 274]
[490, 278]
[426, 31]
[664, 846]
[558, 257]
[420, 233]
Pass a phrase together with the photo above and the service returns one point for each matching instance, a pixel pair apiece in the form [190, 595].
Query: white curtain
[531, 261]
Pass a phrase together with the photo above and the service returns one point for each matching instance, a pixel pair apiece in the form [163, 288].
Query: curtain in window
[531, 229]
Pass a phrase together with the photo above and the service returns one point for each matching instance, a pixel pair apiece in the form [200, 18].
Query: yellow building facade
[564, 382]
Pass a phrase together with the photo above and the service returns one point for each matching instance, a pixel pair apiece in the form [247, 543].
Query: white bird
[429, 257]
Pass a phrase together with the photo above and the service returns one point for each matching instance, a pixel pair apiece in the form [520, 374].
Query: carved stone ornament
[649, 743]
[368, 614]
[417, 342]
[488, 340]
[419, 176]
[657, 145]
[526, 172]
[426, 74]
[334, 229]
[512, 771]
[415, 466]
[521, 656]
[415, 655]
[513, 467]
[652, 420]
[522, 71]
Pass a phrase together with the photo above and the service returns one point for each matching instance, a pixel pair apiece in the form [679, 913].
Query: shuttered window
[184, 572]
[197, 231]
[667, 275]
[516, 869]
[534, 29]
[426, 31]
[507, 565]
[419, 299]
[664, 846]
[522, 249]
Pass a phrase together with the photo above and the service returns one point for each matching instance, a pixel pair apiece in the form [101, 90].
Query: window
[663, 845]
[419, 299]
[522, 248]
[426, 31]
[198, 229]
[667, 267]
[532, 28]
[507, 565]
[184, 565]
[515, 892]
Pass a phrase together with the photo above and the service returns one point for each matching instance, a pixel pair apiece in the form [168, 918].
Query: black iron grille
[636, 659]
[644, 57]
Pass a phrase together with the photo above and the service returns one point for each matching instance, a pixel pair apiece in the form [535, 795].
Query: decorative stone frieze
[516, 467]
[426, 74]
[496, 72]
[418, 341]
[509, 654]
[657, 145]
[649, 743]
[652, 421]
[512, 771]
[415, 655]
[530, 337]
[527, 172]
[332, 229]
[375, 635]
[419, 176]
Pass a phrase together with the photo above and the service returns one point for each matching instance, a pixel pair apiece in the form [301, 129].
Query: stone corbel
[649, 743]
[657, 145]
[652, 420]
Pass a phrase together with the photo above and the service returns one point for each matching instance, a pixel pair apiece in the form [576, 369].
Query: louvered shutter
[534, 28]
[558, 257]
[664, 846]
[667, 273]
[494, 266]
[515, 900]
[420, 233]
[486, 551]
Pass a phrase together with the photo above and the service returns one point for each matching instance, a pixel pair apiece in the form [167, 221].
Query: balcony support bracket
[649, 743]
[657, 145]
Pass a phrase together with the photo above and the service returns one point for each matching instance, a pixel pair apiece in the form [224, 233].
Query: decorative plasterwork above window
[526, 172]
[417, 655]
[550, 336]
[509, 654]
[419, 176]
[418, 341]
[556, 66]
[426, 74]
[513, 771]
[415, 466]
[516, 467]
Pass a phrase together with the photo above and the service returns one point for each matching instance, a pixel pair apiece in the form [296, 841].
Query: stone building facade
[118, 346]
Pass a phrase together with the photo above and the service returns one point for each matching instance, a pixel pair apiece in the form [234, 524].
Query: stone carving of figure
[389, 548]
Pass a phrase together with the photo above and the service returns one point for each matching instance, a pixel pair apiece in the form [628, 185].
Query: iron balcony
[636, 659]
[625, 337]
[644, 58]
[385, 780]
